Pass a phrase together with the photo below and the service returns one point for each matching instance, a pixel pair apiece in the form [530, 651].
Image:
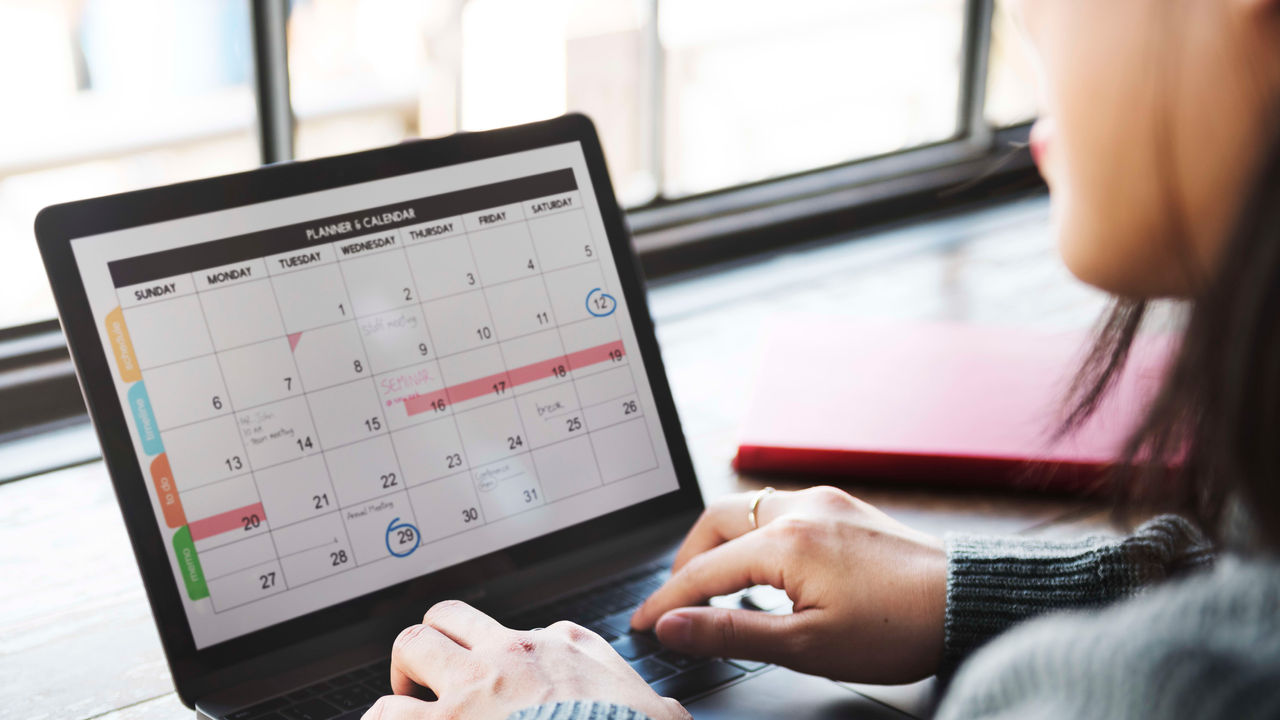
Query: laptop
[331, 393]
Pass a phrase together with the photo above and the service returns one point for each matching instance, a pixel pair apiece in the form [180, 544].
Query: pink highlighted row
[501, 382]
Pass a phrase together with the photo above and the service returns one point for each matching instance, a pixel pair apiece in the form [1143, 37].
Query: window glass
[107, 96]
[803, 84]
[688, 95]
[1011, 83]
[369, 73]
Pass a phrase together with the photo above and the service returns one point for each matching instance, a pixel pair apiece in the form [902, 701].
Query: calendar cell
[507, 487]
[329, 356]
[446, 507]
[536, 361]
[242, 314]
[260, 374]
[277, 433]
[606, 386]
[519, 308]
[247, 585]
[312, 298]
[491, 432]
[205, 452]
[378, 283]
[317, 562]
[412, 395]
[296, 490]
[365, 470]
[562, 240]
[347, 413]
[551, 415]
[459, 323]
[382, 528]
[186, 392]
[584, 336]
[168, 331]
[443, 267]
[234, 557]
[395, 339]
[570, 289]
[624, 450]
[430, 451]
[475, 378]
[504, 253]
[567, 468]
[611, 412]
[224, 511]
[319, 531]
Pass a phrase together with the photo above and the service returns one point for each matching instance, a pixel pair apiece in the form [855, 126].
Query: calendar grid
[300, 322]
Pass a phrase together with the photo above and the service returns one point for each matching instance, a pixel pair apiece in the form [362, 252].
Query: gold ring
[752, 517]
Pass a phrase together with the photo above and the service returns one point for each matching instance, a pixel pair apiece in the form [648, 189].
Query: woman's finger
[466, 625]
[726, 519]
[751, 559]
[423, 657]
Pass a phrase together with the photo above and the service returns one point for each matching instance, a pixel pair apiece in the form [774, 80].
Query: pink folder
[934, 404]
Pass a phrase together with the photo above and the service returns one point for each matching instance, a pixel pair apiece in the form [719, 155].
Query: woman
[1160, 144]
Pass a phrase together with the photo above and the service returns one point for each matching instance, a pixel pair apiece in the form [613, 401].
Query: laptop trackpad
[782, 693]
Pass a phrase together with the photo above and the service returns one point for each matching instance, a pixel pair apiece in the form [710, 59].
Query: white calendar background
[322, 422]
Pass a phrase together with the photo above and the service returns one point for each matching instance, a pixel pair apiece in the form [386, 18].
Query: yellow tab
[123, 346]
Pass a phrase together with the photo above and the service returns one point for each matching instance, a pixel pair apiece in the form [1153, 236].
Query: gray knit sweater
[1111, 641]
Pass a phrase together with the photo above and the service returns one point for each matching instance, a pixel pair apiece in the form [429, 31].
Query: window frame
[38, 387]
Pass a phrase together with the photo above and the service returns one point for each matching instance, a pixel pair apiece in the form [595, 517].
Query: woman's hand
[869, 593]
[479, 669]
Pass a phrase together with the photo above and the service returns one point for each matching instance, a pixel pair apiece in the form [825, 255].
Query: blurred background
[692, 97]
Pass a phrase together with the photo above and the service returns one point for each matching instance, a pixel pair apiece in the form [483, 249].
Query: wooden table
[76, 635]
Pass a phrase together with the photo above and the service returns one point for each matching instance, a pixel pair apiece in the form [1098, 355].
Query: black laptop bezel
[57, 225]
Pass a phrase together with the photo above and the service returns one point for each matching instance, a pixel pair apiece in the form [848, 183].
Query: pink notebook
[933, 404]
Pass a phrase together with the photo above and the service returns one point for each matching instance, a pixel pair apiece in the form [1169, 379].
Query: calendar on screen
[336, 392]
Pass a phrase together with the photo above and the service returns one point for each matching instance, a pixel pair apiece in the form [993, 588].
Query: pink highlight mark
[225, 522]
[293, 340]
[553, 367]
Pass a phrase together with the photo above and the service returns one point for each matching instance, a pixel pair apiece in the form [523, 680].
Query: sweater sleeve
[578, 710]
[1205, 647]
[995, 583]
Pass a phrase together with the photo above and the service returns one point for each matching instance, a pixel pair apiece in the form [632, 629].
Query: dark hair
[1212, 433]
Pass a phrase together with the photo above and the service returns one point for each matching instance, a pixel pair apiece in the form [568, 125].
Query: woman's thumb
[717, 632]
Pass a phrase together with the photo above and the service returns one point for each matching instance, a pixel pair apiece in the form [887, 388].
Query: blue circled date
[601, 303]
[404, 534]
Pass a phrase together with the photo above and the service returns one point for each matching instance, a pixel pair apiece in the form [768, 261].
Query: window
[115, 95]
[705, 107]
[697, 97]
[1011, 82]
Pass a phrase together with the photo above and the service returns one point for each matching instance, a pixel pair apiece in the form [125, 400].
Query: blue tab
[145, 419]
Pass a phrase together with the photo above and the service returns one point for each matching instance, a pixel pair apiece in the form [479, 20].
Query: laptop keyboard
[605, 610]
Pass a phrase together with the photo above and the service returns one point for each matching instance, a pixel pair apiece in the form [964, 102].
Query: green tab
[189, 561]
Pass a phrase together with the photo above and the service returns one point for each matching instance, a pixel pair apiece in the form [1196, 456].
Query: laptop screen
[335, 392]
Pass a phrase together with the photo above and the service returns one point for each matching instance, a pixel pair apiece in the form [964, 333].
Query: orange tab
[123, 347]
[162, 476]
